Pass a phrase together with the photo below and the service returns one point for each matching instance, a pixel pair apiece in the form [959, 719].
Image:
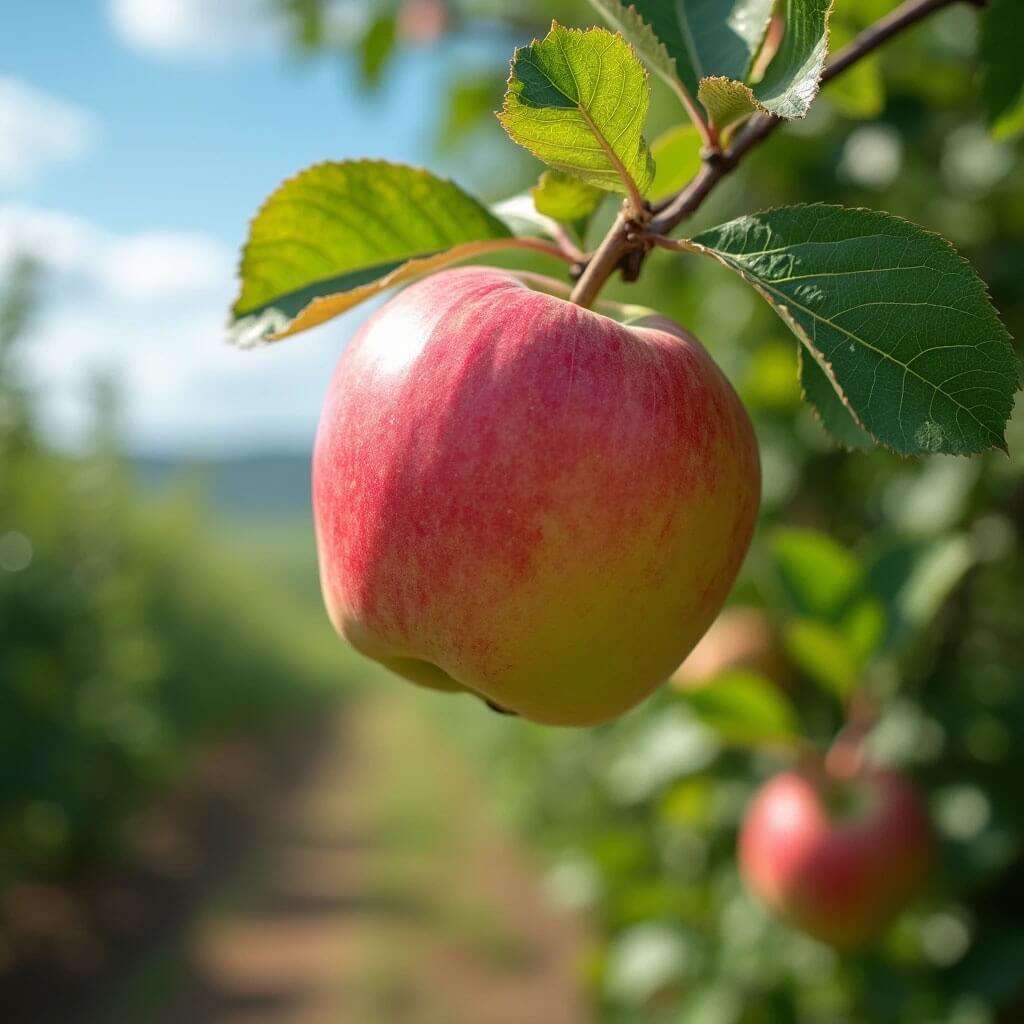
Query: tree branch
[602, 263]
[759, 127]
[622, 238]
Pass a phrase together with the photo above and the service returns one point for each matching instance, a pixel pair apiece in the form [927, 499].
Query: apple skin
[837, 858]
[521, 498]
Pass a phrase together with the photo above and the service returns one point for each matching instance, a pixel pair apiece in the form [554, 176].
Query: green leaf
[1011, 124]
[835, 416]
[339, 233]
[859, 92]
[918, 579]
[821, 651]
[470, 105]
[701, 37]
[676, 158]
[794, 74]
[578, 101]
[1002, 68]
[820, 576]
[565, 199]
[645, 25]
[863, 628]
[941, 567]
[376, 49]
[707, 47]
[744, 707]
[899, 322]
[726, 100]
[838, 624]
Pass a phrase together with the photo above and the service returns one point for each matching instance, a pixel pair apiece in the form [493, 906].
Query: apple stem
[626, 235]
[537, 245]
[622, 311]
[845, 757]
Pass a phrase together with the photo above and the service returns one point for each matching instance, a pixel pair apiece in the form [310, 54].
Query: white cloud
[37, 130]
[203, 28]
[220, 28]
[141, 268]
[151, 266]
[151, 307]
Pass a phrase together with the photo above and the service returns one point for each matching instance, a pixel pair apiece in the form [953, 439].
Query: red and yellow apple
[836, 857]
[520, 498]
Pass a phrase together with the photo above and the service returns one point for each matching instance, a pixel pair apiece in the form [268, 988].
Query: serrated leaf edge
[630, 187]
[272, 324]
[370, 162]
[802, 352]
[733, 85]
[665, 66]
[802, 335]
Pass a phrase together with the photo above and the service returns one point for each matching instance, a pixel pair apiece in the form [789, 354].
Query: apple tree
[886, 585]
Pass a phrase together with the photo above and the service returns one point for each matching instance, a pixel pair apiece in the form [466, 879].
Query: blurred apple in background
[422, 21]
[836, 857]
[741, 638]
[521, 498]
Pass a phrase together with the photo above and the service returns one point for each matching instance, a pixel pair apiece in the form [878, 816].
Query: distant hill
[262, 487]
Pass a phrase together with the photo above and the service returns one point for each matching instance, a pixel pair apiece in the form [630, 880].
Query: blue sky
[142, 136]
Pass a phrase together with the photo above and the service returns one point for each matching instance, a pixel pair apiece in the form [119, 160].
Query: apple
[836, 857]
[520, 498]
[422, 21]
[741, 638]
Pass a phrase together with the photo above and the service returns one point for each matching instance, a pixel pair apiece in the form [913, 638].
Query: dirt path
[380, 891]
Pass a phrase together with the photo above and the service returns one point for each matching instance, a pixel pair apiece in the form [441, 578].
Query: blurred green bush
[128, 637]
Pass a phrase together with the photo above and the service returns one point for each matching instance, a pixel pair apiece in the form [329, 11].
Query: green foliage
[860, 91]
[701, 37]
[377, 48]
[1003, 70]
[835, 622]
[791, 81]
[819, 576]
[745, 708]
[677, 159]
[640, 818]
[915, 586]
[472, 99]
[708, 49]
[128, 639]
[835, 415]
[578, 101]
[340, 232]
[901, 324]
[566, 199]
[650, 29]
[882, 360]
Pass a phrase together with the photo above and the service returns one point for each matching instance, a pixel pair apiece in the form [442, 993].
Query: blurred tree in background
[901, 577]
[127, 637]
